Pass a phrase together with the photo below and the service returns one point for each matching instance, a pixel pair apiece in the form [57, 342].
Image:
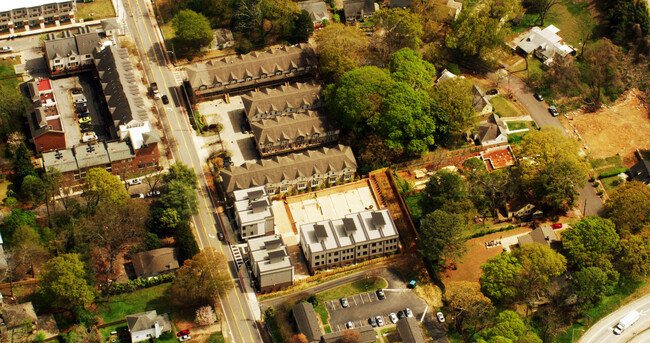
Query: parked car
[556, 226]
[85, 120]
[344, 302]
[538, 96]
[441, 317]
[183, 333]
[492, 91]
[349, 325]
[153, 193]
[380, 294]
[5, 49]
[184, 338]
[553, 111]
[401, 315]
[134, 182]
[380, 320]
[220, 236]
[89, 137]
[408, 312]
[137, 196]
[77, 91]
[372, 321]
[82, 115]
[80, 101]
[227, 161]
[81, 107]
[243, 128]
[393, 317]
[165, 99]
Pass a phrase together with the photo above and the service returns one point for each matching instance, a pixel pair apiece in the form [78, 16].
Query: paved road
[142, 27]
[602, 331]
[590, 203]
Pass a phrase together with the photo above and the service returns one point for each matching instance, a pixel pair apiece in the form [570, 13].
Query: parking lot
[363, 306]
[62, 91]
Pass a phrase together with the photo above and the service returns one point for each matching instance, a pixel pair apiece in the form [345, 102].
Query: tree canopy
[454, 97]
[590, 242]
[591, 284]
[181, 172]
[634, 257]
[180, 197]
[500, 277]
[442, 237]
[474, 33]
[444, 186]
[102, 187]
[471, 311]
[399, 28]
[629, 208]
[62, 282]
[509, 327]
[192, 29]
[203, 277]
[407, 65]
[341, 49]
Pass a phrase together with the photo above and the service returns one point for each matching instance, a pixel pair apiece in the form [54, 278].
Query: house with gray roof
[111, 27]
[62, 160]
[223, 38]
[409, 330]
[254, 214]
[542, 235]
[317, 10]
[366, 332]
[641, 172]
[271, 102]
[155, 262]
[299, 170]
[307, 322]
[354, 238]
[492, 131]
[271, 263]
[480, 102]
[358, 10]
[14, 14]
[241, 73]
[71, 52]
[92, 155]
[149, 325]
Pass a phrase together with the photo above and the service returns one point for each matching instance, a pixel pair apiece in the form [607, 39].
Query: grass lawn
[615, 161]
[413, 203]
[504, 108]
[152, 298]
[346, 290]
[610, 183]
[216, 338]
[99, 8]
[517, 125]
[168, 31]
[515, 138]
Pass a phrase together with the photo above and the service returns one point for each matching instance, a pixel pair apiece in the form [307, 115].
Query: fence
[341, 270]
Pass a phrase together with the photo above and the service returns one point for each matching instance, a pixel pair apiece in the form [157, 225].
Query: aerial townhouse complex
[71, 52]
[34, 13]
[271, 264]
[354, 238]
[254, 212]
[242, 73]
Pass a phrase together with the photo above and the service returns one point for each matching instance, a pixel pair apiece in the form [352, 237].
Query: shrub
[40, 337]
[133, 285]
[270, 312]
[592, 179]
[313, 300]
[600, 193]
[453, 67]
[166, 336]
[596, 184]
[205, 316]
[612, 172]
[336, 18]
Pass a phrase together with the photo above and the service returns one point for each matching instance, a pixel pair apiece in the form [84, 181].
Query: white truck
[626, 322]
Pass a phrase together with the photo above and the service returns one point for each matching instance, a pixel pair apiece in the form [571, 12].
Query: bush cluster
[133, 285]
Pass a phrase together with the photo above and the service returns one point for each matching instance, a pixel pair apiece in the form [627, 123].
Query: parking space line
[355, 301]
[361, 296]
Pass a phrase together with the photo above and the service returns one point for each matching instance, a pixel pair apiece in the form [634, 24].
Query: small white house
[147, 325]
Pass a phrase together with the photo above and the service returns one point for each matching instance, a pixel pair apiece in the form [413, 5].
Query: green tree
[13, 222]
[180, 172]
[263, 16]
[401, 29]
[500, 279]
[592, 241]
[33, 190]
[634, 257]
[509, 327]
[185, 241]
[442, 237]
[192, 30]
[444, 186]
[62, 282]
[164, 221]
[600, 71]
[301, 28]
[591, 284]
[539, 263]
[629, 208]
[540, 7]
[489, 190]
[474, 34]
[180, 197]
[341, 48]
[455, 98]
[23, 166]
[102, 187]
[52, 182]
[219, 10]
[551, 168]
[407, 65]
[627, 20]
[203, 277]
[470, 310]
[27, 252]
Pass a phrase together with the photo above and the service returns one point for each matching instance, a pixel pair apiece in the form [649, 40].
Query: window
[347, 176]
[314, 183]
[302, 185]
[263, 76]
[57, 61]
[271, 190]
[374, 251]
[248, 78]
[293, 70]
[278, 73]
[332, 179]
[283, 189]
[218, 84]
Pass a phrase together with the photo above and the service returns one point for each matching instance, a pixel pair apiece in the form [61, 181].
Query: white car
[349, 325]
[89, 137]
[408, 312]
[134, 182]
[184, 338]
[380, 321]
[393, 317]
[4, 49]
[441, 317]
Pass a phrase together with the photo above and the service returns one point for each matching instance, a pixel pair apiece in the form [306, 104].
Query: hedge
[489, 231]
[612, 172]
[133, 285]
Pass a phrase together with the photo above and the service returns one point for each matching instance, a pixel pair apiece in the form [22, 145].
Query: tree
[27, 252]
[152, 180]
[444, 186]
[299, 338]
[590, 242]
[52, 184]
[470, 309]
[192, 30]
[81, 334]
[13, 222]
[400, 28]
[164, 221]
[591, 284]
[22, 165]
[341, 48]
[489, 190]
[634, 257]
[509, 327]
[185, 241]
[102, 187]
[62, 282]
[442, 237]
[563, 76]
[301, 28]
[600, 71]
[180, 172]
[263, 16]
[351, 336]
[112, 230]
[551, 168]
[203, 277]
[407, 65]
[180, 197]
[474, 34]
[629, 208]
[455, 98]
[205, 316]
[33, 190]
[541, 7]
[501, 277]
[219, 10]
[624, 18]
[539, 263]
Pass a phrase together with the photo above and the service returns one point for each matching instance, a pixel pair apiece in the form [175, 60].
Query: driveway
[590, 203]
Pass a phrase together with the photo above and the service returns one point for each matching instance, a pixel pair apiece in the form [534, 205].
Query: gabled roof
[15, 315]
[279, 168]
[283, 97]
[110, 24]
[236, 67]
[155, 261]
[317, 10]
[60, 47]
[353, 8]
[479, 101]
[307, 322]
[291, 126]
[641, 172]
[367, 335]
[146, 320]
[409, 330]
[542, 235]
[492, 128]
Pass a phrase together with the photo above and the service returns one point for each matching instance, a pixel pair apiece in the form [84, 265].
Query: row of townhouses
[35, 13]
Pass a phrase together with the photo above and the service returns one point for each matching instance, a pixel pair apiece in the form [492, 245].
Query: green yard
[614, 161]
[98, 9]
[504, 108]
[515, 138]
[413, 203]
[152, 298]
[517, 125]
[610, 183]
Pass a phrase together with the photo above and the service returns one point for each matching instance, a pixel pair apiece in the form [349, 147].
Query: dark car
[227, 161]
[401, 314]
[81, 115]
[243, 128]
[81, 107]
[492, 91]
[554, 112]
[220, 236]
[372, 321]
[165, 99]
[380, 294]
[77, 91]
[538, 96]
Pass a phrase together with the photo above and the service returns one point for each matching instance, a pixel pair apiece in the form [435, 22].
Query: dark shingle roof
[307, 322]
[641, 172]
[155, 261]
[367, 335]
[409, 330]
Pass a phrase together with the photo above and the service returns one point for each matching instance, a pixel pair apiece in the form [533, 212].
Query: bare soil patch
[617, 129]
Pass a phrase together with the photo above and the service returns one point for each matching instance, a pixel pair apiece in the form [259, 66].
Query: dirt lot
[617, 129]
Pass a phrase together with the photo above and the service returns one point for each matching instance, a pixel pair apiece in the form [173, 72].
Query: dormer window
[249, 78]
[218, 84]
[263, 76]
[293, 70]
[278, 73]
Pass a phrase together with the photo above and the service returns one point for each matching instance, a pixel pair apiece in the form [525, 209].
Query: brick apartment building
[45, 126]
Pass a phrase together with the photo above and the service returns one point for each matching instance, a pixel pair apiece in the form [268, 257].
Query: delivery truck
[626, 322]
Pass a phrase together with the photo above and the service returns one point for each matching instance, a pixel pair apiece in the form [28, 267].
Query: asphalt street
[603, 330]
[590, 203]
[142, 28]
